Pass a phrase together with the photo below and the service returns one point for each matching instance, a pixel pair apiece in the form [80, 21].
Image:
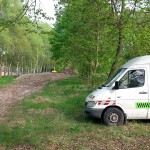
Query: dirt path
[25, 85]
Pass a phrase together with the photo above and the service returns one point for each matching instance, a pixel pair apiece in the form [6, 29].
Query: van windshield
[113, 79]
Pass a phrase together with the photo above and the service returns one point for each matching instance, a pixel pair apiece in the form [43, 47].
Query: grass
[6, 80]
[54, 119]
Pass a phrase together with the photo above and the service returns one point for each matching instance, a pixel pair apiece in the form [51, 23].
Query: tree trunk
[119, 49]
[34, 70]
[4, 71]
[31, 68]
[17, 69]
[28, 70]
[119, 13]
[9, 70]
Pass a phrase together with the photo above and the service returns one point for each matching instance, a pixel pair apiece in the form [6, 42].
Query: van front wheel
[113, 116]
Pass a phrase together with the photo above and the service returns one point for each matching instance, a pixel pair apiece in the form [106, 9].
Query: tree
[98, 36]
[80, 34]
[124, 16]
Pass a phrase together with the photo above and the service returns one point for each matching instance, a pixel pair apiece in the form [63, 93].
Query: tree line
[97, 36]
[24, 44]
[94, 37]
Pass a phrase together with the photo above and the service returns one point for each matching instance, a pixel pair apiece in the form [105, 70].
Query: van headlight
[90, 104]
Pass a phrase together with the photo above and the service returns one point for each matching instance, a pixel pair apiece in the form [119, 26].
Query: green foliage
[23, 49]
[90, 36]
[23, 43]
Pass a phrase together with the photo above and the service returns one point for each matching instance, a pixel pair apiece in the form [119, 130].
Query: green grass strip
[6, 80]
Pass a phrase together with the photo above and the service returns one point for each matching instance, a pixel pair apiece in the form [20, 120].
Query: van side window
[133, 78]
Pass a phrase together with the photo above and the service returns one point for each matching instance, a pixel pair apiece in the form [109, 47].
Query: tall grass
[55, 119]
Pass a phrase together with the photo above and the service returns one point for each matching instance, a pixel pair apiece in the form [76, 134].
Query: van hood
[101, 94]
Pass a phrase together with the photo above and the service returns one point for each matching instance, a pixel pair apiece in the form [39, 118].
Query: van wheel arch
[114, 108]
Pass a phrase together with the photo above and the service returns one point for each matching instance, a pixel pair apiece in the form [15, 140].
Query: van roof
[137, 61]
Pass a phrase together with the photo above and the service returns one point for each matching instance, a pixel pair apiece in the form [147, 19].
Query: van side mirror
[116, 87]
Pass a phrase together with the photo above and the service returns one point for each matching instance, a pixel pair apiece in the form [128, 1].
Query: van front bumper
[94, 112]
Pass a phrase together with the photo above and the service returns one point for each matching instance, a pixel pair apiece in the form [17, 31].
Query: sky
[48, 7]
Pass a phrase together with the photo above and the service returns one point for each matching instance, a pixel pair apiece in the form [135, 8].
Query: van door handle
[142, 92]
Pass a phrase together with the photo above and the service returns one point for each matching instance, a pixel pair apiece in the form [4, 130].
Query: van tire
[113, 117]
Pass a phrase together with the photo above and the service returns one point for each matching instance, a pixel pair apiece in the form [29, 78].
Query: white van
[125, 96]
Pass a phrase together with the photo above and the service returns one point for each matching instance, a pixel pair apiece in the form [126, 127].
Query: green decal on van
[143, 105]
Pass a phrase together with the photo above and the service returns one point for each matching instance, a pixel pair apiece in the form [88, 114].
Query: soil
[24, 86]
